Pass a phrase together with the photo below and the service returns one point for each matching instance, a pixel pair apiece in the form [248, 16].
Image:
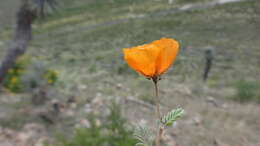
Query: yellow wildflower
[50, 81]
[14, 80]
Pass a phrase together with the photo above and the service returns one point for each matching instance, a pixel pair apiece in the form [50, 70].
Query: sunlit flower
[152, 60]
[14, 80]
[50, 81]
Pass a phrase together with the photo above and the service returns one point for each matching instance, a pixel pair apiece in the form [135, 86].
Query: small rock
[73, 105]
[41, 141]
[98, 95]
[212, 101]
[22, 138]
[87, 108]
[197, 121]
[219, 143]
[225, 106]
[97, 101]
[119, 86]
[69, 113]
[175, 124]
[186, 7]
[82, 87]
[98, 122]
[84, 123]
[170, 1]
[143, 122]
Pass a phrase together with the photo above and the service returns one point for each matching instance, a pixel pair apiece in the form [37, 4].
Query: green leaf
[172, 116]
[144, 135]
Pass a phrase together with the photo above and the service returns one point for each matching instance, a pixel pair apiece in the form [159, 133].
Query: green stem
[158, 113]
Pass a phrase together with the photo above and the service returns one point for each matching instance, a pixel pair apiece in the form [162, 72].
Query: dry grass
[89, 59]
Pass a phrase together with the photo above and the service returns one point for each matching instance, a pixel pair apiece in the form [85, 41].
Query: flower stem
[157, 100]
[158, 113]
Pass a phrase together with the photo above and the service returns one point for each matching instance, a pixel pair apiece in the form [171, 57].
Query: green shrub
[24, 75]
[12, 81]
[258, 97]
[113, 132]
[246, 90]
[51, 76]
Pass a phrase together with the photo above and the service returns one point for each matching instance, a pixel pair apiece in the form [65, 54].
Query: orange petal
[142, 59]
[169, 49]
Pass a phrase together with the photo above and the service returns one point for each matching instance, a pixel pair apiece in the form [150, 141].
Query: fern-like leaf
[172, 116]
[144, 135]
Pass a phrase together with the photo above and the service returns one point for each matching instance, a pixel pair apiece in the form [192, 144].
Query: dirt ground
[83, 41]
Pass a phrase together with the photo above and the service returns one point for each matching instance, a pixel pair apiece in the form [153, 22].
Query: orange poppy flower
[152, 60]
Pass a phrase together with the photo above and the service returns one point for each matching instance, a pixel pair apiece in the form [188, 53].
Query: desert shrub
[246, 90]
[27, 74]
[12, 81]
[51, 76]
[113, 132]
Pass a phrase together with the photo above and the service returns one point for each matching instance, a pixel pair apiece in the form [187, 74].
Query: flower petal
[168, 52]
[142, 58]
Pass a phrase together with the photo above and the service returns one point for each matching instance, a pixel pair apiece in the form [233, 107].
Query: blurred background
[69, 86]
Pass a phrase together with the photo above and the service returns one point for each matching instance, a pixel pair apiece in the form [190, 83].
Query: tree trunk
[22, 36]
